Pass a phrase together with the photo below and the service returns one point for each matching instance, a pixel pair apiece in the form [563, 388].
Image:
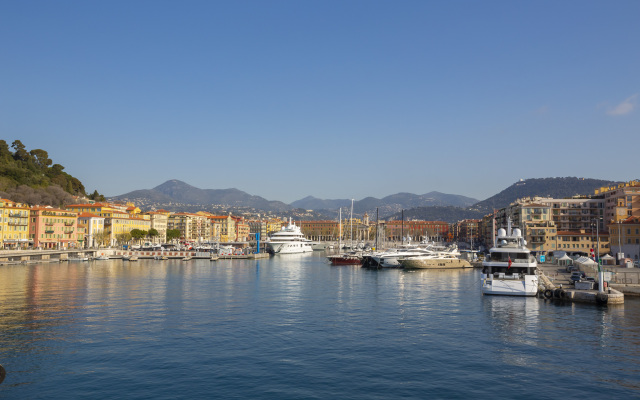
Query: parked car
[571, 268]
[577, 276]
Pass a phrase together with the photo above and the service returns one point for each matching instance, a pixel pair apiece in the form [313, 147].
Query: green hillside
[31, 177]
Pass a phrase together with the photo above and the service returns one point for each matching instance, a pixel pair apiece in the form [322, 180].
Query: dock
[555, 284]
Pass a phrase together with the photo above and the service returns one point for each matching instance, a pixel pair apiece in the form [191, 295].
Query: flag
[509, 262]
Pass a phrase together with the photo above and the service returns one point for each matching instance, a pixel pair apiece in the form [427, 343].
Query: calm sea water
[293, 327]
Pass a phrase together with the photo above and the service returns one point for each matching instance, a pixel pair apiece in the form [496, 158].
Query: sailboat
[350, 258]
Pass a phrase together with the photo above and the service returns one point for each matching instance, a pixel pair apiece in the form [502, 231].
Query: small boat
[160, 258]
[187, 258]
[129, 258]
[102, 257]
[345, 259]
[78, 259]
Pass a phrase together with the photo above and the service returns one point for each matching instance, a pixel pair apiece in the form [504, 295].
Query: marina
[292, 326]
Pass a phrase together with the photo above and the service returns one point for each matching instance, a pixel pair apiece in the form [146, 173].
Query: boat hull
[527, 286]
[345, 260]
[435, 263]
[289, 248]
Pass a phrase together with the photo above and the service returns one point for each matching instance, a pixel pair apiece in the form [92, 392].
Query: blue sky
[334, 99]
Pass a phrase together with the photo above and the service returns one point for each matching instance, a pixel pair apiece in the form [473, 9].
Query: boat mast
[351, 225]
[402, 228]
[340, 230]
[376, 228]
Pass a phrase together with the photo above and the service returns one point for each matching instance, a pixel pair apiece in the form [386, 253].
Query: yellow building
[14, 225]
[117, 220]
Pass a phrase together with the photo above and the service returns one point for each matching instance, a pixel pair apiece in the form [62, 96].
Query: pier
[33, 256]
[555, 284]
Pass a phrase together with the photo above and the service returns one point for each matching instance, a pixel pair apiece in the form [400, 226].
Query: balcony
[68, 231]
[16, 215]
[18, 223]
[68, 224]
[48, 231]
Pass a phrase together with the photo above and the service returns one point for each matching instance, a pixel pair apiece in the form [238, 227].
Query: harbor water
[294, 327]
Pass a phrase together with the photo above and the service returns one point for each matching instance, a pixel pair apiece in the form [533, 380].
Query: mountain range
[175, 195]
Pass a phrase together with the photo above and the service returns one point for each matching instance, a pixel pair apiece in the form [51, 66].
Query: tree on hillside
[20, 154]
[41, 158]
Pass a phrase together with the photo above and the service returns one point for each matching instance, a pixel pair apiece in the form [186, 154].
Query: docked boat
[288, 240]
[78, 259]
[160, 258]
[392, 257]
[434, 261]
[345, 259]
[510, 269]
[102, 257]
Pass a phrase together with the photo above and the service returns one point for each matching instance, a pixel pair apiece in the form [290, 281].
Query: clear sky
[334, 99]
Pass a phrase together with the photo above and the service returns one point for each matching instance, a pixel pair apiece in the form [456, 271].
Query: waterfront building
[242, 229]
[417, 230]
[625, 238]
[14, 225]
[228, 232]
[467, 231]
[320, 230]
[158, 221]
[92, 228]
[621, 201]
[275, 225]
[117, 221]
[258, 226]
[53, 228]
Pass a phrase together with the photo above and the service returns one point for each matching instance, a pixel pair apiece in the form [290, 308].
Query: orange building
[417, 230]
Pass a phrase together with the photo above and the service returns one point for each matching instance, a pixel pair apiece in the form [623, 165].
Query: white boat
[78, 259]
[391, 258]
[288, 240]
[437, 260]
[510, 269]
[102, 257]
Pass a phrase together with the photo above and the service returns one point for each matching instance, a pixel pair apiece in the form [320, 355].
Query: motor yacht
[288, 240]
[510, 269]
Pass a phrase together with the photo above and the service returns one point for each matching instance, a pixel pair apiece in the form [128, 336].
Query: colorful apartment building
[14, 225]
[418, 230]
[621, 201]
[159, 221]
[92, 228]
[53, 228]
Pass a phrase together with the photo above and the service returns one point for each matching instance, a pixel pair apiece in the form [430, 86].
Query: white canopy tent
[564, 260]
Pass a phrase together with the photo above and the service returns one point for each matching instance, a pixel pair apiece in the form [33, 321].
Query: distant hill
[448, 214]
[175, 191]
[558, 188]
[387, 205]
[314, 203]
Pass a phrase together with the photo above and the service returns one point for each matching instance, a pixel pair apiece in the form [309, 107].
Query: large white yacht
[510, 269]
[288, 240]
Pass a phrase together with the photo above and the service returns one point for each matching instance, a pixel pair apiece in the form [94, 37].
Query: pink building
[53, 228]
